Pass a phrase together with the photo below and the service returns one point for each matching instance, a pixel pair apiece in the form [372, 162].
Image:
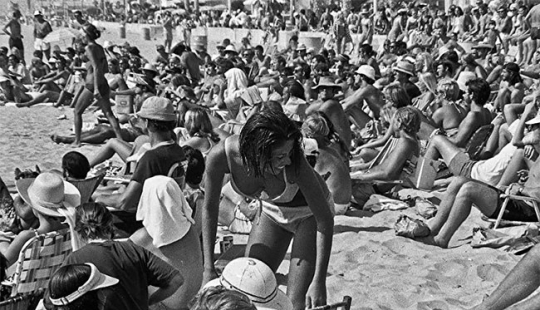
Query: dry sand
[369, 263]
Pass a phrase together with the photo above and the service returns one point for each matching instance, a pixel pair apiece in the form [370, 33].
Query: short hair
[262, 133]
[449, 88]
[320, 58]
[409, 119]
[92, 32]
[66, 280]
[296, 89]
[94, 221]
[448, 65]
[260, 48]
[76, 165]
[195, 165]
[220, 298]
[397, 95]
[479, 90]
[161, 126]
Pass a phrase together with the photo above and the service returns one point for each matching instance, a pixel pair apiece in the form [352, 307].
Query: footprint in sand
[491, 272]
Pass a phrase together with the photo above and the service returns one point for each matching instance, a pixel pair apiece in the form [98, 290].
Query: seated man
[158, 114]
[477, 94]
[520, 283]
[464, 192]
[511, 88]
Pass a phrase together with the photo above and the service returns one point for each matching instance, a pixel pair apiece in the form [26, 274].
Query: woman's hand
[316, 294]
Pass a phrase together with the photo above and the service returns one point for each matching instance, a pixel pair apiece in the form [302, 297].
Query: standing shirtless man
[41, 29]
[13, 30]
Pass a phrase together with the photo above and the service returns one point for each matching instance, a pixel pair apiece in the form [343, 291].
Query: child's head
[408, 120]
[220, 298]
[75, 165]
[195, 165]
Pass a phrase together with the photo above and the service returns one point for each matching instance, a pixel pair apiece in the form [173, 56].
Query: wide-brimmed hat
[38, 13]
[48, 193]
[367, 71]
[343, 58]
[230, 49]
[96, 281]
[157, 108]
[534, 121]
[256, 280]
[150, 67]
[405, 67]
[326, 81]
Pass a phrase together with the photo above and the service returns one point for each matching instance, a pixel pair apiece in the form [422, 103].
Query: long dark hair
[67, 280]
[261, 134]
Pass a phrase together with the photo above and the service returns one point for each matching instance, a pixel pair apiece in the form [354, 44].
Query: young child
[493, 35]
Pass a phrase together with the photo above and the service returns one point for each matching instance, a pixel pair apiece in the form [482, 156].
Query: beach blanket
[378, 203]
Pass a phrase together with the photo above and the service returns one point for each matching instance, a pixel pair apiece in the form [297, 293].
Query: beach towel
[377, 203]
[164, 211]
[511, 239]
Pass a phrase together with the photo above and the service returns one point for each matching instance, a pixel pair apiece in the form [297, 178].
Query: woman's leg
[440, 146]
[105, 105]
[84, 100]
[112, 147]
[40, 98]
[268, 242]
[303, 261]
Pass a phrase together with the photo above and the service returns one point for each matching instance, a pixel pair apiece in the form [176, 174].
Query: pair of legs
[269, 242]
[24, 100]
[98, 135]
[456, 206]
[521, 282]
[84, 100]
[120, 147]
[440, 146]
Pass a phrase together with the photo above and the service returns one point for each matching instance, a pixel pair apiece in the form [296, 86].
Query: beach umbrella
[62, 34]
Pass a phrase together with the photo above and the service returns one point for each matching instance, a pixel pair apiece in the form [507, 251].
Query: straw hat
[157, 108]
[367, 71]
[405, 67]
[255, 279]
[48, 193]
[534, 121]
[326, 81]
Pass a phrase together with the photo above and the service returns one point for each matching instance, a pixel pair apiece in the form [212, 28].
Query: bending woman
[96, 85]
[266, 163]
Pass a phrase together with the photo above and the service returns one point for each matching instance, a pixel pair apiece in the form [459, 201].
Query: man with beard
[511, 89]
[367, 93]
[327, 89]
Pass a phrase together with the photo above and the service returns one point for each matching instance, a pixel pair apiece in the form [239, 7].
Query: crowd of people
[274, 145]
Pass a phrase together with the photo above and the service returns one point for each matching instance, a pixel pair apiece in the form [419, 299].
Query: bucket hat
[326, 81]
[367, 71]
[255, 279]
[157, 108]
[405, 67]
[48, 193]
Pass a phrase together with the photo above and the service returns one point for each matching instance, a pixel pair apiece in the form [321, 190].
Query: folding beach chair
[478, 141]
[87, 186]
[507, 199]
[23, 302]
[39, 258]
[345, 305]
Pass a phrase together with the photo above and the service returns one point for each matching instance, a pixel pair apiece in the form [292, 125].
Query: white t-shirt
[491, 170]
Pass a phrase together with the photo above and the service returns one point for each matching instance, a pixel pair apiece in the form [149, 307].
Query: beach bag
[535, 33]
[124, 104]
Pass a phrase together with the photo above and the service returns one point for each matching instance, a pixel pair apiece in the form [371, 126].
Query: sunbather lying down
[98, 135]
[24, 98]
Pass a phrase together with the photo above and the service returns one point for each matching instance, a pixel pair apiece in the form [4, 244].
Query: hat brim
[366, 74]
[72, 197]
[404, 71]
[104, 281]
[326, 85]
[164, 117]
[533, 121]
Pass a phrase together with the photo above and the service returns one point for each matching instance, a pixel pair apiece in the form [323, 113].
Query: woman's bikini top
[290, 197]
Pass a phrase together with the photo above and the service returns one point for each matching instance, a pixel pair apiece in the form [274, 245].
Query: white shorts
[40, 45]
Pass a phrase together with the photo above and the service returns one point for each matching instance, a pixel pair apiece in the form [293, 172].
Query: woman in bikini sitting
[266, 163]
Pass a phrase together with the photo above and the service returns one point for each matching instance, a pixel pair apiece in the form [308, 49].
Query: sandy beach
[378, 269]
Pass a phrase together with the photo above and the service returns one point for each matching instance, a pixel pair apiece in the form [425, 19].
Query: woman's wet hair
[67, 280]
[409, 119]
[198, 124]
[261, 134]
[220, 298]
[92, 32]
[75, 165]
[195, 165]
[94, 221]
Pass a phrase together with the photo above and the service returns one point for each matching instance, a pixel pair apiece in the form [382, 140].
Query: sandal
[411, 228]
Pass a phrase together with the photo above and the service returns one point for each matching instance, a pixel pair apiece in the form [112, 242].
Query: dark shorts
[516, 210]
[16, 42]
[461, 165]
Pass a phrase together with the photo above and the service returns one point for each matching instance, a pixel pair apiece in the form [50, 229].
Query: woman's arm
[216, 167]
[12, 250]
[313, 187]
